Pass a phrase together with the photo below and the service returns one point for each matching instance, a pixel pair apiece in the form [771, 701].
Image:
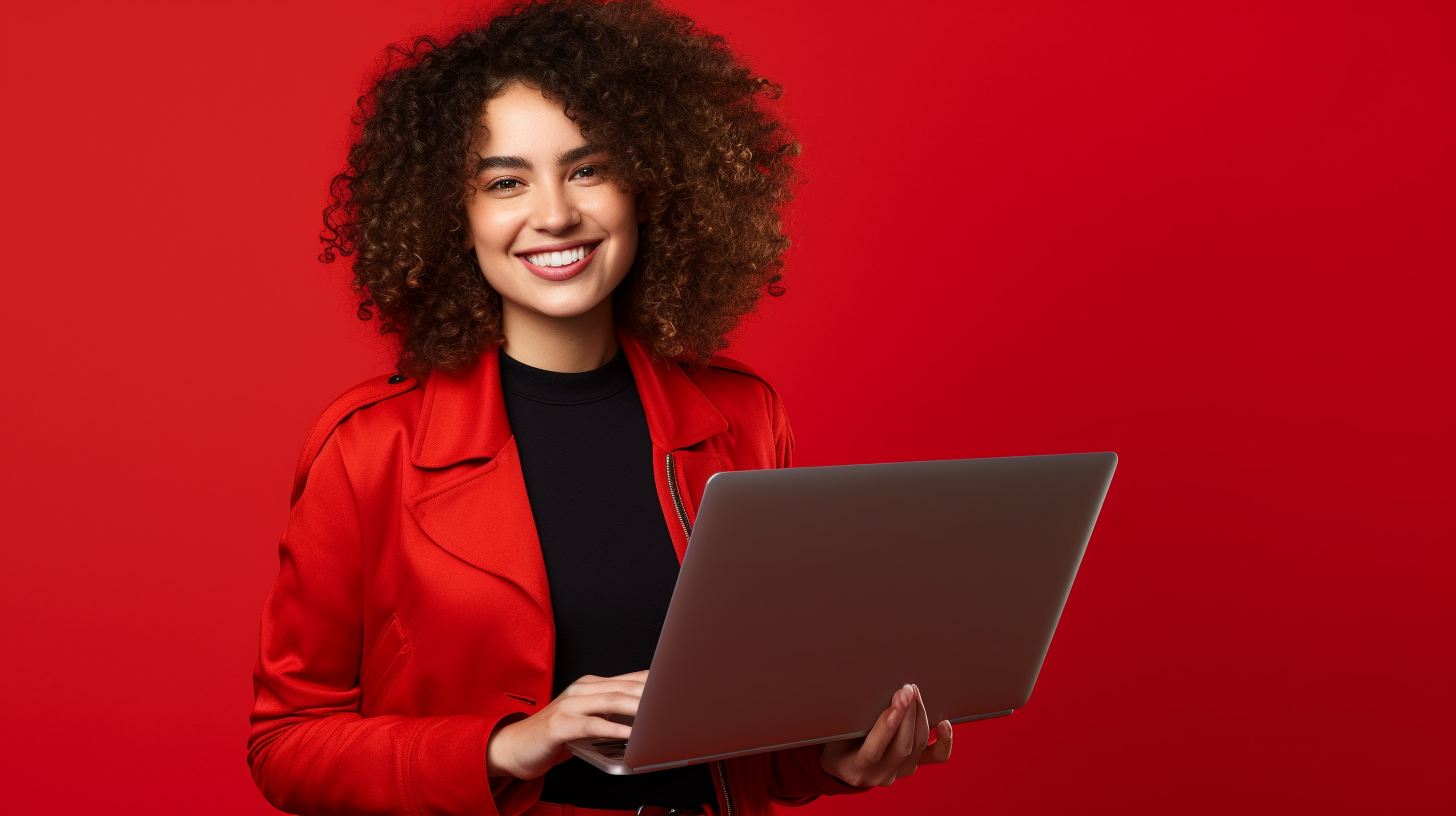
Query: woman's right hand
[527, 748]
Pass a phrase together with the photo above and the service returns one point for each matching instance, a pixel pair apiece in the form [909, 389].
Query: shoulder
[724, 379]
[746, 399]
[372, 392]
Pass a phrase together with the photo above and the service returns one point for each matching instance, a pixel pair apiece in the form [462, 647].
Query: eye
[501, 184]
[589, 169]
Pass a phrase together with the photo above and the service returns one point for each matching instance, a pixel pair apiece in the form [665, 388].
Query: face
[553, 236]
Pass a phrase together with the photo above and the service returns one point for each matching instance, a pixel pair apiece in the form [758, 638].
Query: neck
[566, 344]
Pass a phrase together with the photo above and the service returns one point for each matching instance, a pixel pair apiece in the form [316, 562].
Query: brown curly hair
[680, 119]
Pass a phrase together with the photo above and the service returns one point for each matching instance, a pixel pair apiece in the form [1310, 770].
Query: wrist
[826, 764]
[831, 764]
[497, 748]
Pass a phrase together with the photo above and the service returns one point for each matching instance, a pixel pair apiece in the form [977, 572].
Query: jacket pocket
[386, 660]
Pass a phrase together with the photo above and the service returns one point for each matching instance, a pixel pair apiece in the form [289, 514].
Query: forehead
[522, 120]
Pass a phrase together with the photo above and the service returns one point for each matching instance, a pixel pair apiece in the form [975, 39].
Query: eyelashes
[595, 172]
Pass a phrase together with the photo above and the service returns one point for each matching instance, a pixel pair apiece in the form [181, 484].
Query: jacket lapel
[482, 514]
[479, 514]
[462, 417]
[678, 414]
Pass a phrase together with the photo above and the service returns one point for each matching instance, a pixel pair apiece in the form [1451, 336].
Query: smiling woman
[676, 118]
[553, 236]
[559, 253]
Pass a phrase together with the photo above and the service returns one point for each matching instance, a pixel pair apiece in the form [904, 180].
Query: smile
[558, 258]
[562, 265]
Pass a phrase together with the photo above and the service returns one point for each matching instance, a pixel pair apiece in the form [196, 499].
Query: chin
[567, 307]
[559, 300]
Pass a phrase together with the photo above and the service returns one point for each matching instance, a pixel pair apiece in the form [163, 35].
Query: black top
[588, 465]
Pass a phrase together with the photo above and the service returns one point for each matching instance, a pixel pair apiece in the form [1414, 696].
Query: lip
[560, 273]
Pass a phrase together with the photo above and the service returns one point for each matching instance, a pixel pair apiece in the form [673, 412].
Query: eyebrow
[518, 163]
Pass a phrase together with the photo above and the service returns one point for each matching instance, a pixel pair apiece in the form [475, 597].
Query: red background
[1216, 238]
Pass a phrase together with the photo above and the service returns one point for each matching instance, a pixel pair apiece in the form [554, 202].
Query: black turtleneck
[587, 461]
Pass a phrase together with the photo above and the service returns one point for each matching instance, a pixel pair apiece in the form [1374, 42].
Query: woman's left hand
[894, 748]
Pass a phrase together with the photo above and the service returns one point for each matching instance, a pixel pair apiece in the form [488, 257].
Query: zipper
[682, 517]
[723, 783]
[677, 502]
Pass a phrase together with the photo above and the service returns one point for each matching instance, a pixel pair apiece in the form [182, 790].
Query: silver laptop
[845, 583]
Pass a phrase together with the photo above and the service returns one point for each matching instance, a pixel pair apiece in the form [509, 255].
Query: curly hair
[679, 118]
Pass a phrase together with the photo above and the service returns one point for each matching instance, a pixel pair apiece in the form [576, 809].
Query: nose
[554, 209]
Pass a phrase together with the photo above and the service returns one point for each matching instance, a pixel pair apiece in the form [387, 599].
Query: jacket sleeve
[795, 778]
[783, 433]
[794, 775]
[310, 750]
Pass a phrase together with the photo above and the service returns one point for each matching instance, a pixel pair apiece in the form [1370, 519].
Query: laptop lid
[809, 595]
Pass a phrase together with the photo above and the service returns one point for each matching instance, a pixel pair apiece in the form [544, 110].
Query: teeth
[569, 256]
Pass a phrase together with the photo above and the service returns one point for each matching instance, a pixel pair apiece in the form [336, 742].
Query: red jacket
[411, 612]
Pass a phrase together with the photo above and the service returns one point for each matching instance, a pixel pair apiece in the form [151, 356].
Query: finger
[884, 730]
[904, 742]
[922, 721]
[593, 680]
[607, 702]
[598, 728]
[940, 751]
[567, 727]
[637, 676]
[602, 686]
[920, 729]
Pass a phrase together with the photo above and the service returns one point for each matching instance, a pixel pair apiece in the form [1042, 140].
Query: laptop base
[610, 755]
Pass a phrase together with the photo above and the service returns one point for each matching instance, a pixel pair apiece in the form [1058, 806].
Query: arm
[310, 750]
[783, 432]
[796, 777]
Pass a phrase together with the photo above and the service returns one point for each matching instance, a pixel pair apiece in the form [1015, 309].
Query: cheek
[627, 235]
[626, 240]
[493, 229]
[490, 241]
[618, 216]
[609, 207]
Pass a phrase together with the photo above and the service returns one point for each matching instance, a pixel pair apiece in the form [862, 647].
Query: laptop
[845, 583]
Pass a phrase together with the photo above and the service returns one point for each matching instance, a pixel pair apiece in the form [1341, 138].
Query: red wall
[1216, 238]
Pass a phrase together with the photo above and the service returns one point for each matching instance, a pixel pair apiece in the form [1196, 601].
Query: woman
[558, 216]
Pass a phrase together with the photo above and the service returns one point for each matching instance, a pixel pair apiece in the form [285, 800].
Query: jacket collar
[464, 416]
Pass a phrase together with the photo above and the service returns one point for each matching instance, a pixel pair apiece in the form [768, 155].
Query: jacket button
[396, 379]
